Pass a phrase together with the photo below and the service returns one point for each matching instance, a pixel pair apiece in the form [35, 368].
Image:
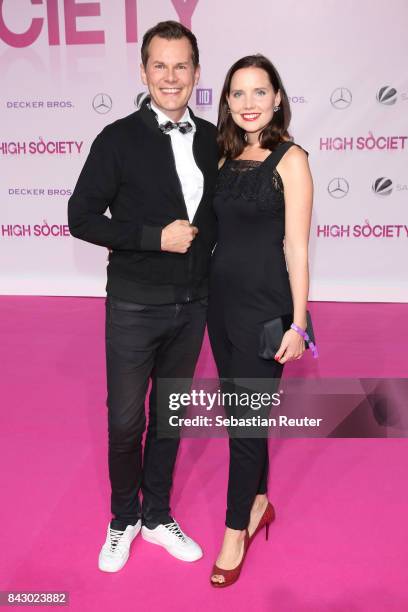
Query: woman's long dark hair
[231, 138]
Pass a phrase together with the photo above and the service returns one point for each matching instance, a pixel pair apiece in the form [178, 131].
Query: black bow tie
[183, 126]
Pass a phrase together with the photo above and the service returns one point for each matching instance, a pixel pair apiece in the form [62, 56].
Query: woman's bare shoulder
[296, 151]
[295, 157]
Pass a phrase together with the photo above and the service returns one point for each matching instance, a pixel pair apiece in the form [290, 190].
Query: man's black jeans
[143, 342]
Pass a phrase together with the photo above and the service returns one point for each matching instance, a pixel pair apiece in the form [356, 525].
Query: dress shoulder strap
[276, 155]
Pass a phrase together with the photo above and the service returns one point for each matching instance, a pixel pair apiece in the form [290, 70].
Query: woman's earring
[276, 108]
[228, 110]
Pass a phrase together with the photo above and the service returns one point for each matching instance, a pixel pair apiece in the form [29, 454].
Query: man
[156, 171]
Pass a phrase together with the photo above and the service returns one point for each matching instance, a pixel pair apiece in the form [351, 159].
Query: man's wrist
[151, 238]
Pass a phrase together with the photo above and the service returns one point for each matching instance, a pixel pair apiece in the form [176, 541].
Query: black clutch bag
[272, 334]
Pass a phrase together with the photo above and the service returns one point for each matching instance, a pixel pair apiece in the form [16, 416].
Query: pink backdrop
[68, 68]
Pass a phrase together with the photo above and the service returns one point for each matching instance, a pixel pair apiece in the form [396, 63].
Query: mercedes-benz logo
[338, 187]
[387, 95]
[341, 98]
[102, 103]
[382, 186]
[139, 98]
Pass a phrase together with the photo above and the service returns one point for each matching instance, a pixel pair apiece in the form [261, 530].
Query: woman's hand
[292, 347]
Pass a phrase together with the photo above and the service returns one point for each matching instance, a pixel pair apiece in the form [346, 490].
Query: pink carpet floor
[340, 541]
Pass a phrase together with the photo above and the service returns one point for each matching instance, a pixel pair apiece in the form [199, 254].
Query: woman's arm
[298, 189]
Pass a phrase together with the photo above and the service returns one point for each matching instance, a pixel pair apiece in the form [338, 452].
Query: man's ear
[143, 74]
[197, 74]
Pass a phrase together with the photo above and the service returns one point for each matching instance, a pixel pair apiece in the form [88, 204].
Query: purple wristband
[305, 336]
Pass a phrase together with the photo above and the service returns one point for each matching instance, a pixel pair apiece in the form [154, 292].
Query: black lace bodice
[250, 179]
[256, 181]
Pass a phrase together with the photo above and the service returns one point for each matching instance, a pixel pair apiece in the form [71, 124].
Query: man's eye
[181, 67]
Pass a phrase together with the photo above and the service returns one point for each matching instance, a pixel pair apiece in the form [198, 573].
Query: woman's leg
[248, 469]
[233, 544]
[248, 456]
[263, 481]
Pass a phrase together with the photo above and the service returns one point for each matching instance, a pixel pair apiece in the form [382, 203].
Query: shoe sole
[222, 585]
[113, 571]
[169, 550]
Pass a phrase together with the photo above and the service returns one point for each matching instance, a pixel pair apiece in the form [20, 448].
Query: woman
[259, 271]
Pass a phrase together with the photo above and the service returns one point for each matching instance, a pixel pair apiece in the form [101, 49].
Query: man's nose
[171, 76]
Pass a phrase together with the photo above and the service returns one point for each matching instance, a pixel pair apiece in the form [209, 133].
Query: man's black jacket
[131, 169]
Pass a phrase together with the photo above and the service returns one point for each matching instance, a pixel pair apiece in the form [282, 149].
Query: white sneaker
[115, 552]
[174, 541]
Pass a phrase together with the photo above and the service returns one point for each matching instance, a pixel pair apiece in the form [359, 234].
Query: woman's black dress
[249, 284]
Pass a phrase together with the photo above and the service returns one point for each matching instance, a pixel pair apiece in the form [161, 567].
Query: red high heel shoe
[230, 576]
[265, 520]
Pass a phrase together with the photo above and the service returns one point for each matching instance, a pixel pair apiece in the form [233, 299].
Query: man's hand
[178, 236]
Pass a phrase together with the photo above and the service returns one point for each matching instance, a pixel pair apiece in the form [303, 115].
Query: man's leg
[175, 358]
[133, 333]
